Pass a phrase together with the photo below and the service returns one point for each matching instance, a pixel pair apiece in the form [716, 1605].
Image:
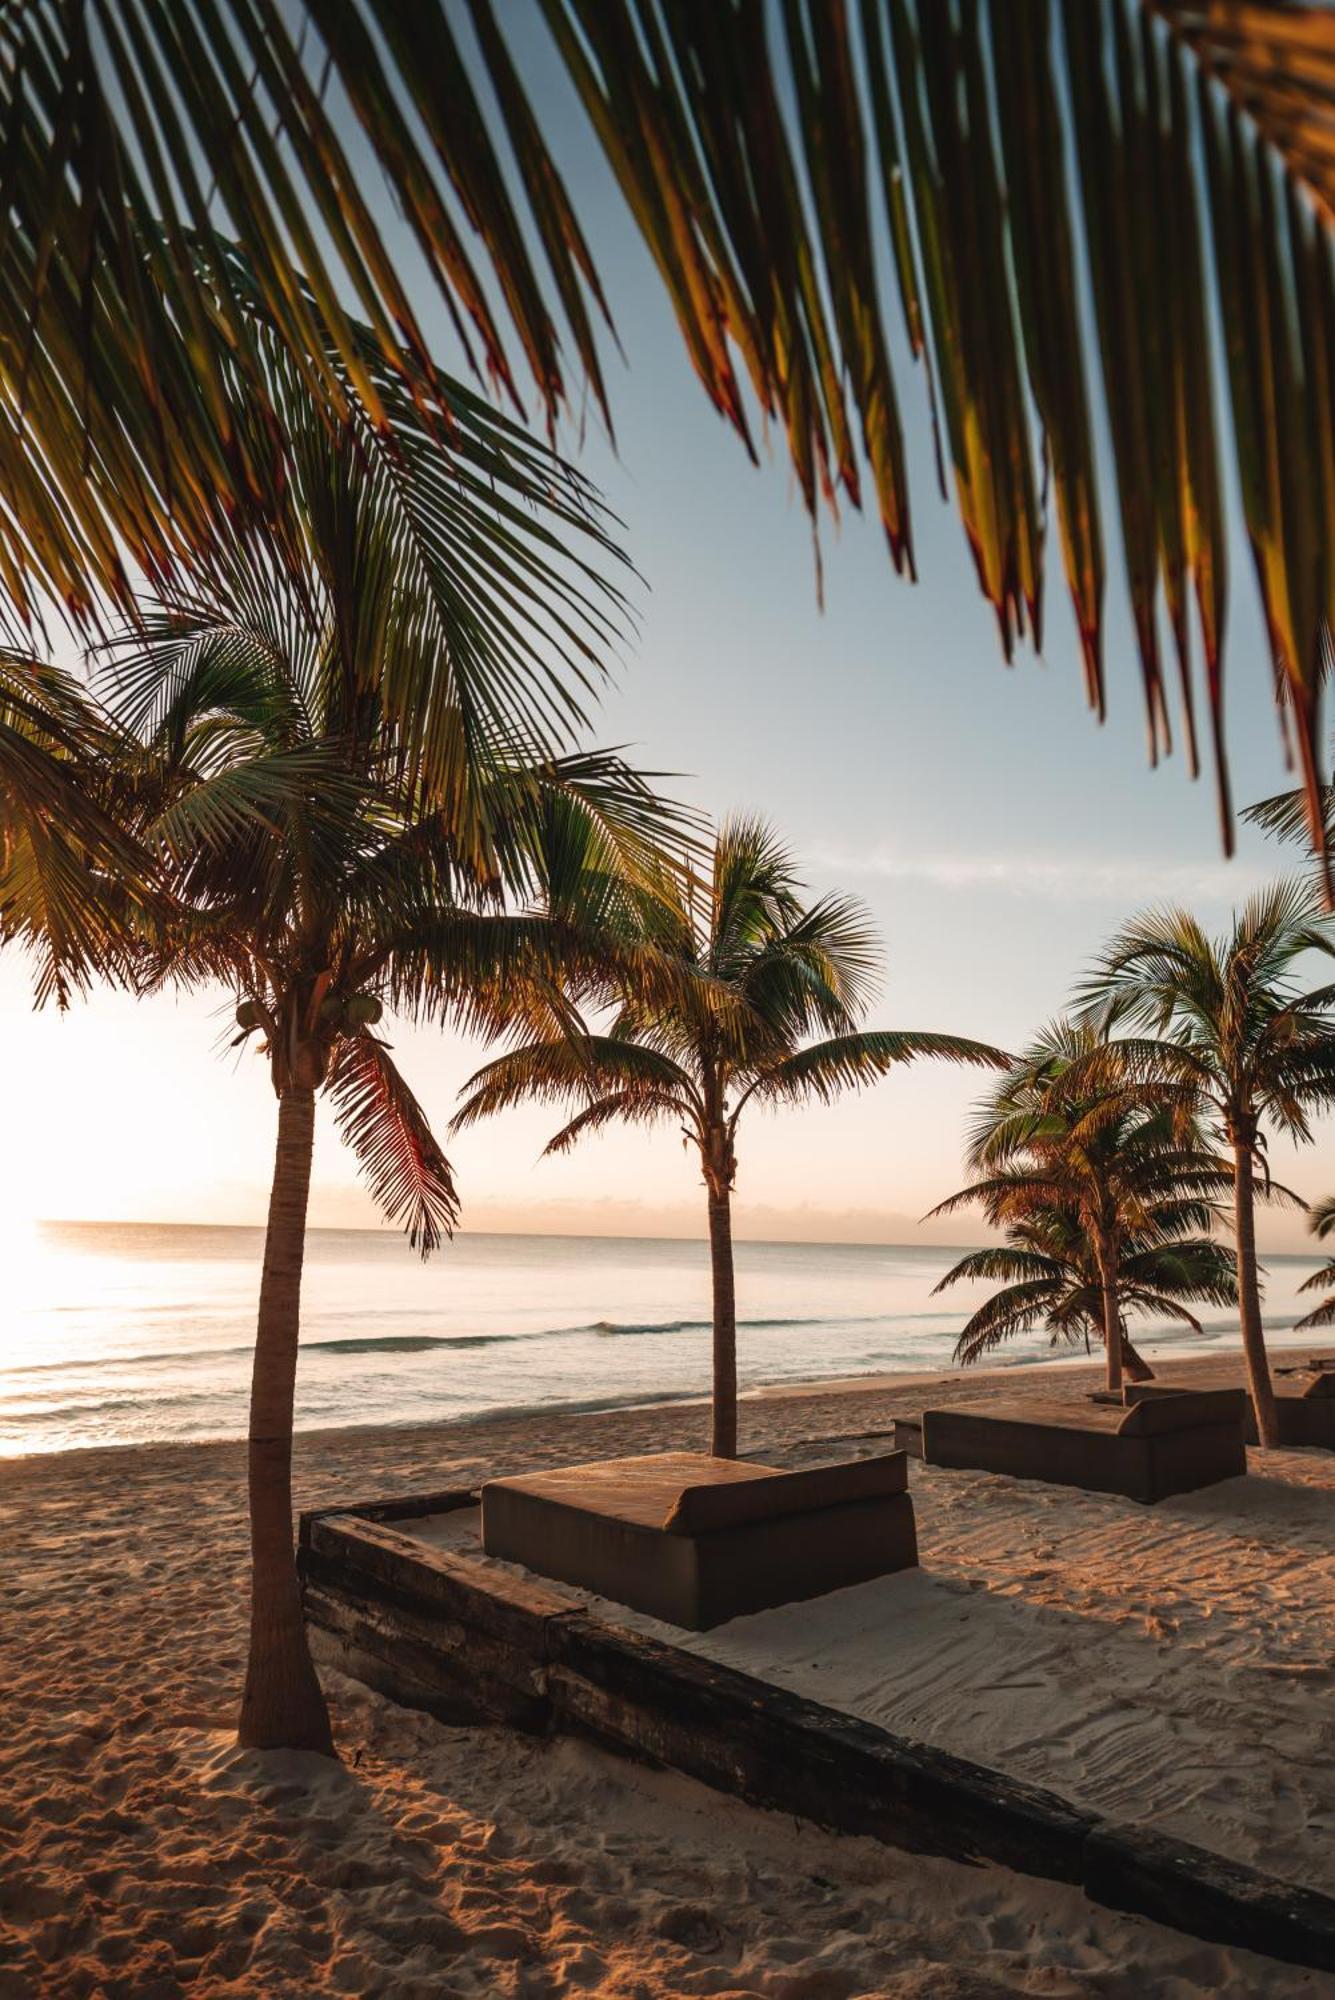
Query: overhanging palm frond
[382, 1121]
[951, 129]
[129, 134]
[1171, 157]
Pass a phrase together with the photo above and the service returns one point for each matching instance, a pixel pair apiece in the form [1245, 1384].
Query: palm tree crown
[1237, 1027]
[756, 971]
[1321, 1222]
[1105, 1173]
[1050, 1276]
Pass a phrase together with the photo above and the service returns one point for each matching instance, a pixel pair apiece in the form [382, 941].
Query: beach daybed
[1304, 1401]
[696, 1540]
[1146, 1449]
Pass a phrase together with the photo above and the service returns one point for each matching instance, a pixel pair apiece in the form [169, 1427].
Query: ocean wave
[419, 1343]
[901, 1334]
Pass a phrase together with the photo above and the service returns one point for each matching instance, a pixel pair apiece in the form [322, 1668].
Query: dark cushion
[708, 1509]
[1322, 1382]
[1190, 1410]
[641, 1490]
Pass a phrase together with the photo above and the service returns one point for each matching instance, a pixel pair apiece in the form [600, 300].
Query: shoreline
[953, 1386]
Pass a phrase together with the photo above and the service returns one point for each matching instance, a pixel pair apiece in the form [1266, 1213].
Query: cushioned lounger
[697, 1540]
[1304, 1400]
[1306, 1405]
[1155, 1445]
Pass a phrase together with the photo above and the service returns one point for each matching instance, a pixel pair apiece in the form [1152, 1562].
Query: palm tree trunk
[1249, 1297]
[1112, 1321]
[723, 1442]
[1134, 1363]
[283, 1706]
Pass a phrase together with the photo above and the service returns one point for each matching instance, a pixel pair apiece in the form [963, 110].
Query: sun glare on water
[22, 1256]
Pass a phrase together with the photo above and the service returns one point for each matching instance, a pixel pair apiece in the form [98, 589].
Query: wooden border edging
[437, 1631]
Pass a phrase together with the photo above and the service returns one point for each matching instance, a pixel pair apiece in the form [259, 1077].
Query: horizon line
[565, 1235]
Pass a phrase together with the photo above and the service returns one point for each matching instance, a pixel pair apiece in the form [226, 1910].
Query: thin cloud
[1069, 878]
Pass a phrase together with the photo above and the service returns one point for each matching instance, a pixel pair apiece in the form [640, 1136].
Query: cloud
[1069, 878]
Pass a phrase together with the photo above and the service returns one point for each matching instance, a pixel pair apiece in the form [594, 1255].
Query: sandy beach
[143, 1856]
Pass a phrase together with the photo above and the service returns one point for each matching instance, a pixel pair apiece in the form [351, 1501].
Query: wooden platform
[470, 1643]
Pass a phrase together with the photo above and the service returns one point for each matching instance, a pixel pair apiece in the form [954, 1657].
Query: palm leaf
[77, 888]
[845, 1062]
[621, 1107]
[1005, 152]
[559, 1072]
[387, 1129]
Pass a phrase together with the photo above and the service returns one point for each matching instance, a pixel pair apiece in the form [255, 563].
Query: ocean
[128, 1333]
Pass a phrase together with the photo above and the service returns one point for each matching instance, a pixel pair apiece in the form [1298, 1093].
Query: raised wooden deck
[470, 1643]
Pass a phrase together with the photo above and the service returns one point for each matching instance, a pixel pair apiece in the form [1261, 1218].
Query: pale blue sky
[996, 832]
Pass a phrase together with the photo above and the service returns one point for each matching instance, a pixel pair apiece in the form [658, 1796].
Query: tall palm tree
[1241, 1029]
[327, 862]
[1121, 1164]
[1074, 196]
[758, 970]
[1051, 1278]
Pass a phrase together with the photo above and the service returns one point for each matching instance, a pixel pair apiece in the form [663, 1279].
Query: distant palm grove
[345, 616]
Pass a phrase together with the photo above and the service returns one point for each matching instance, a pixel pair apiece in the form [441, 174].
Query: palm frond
[382, 1121]
[1015, 1309]
[846, 1062]
[77, 888]
[563, 1071]
[622, 1107]
[1171, 158]
[1008, 1261]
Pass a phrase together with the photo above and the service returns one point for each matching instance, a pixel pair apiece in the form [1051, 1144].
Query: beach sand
[141, 1855]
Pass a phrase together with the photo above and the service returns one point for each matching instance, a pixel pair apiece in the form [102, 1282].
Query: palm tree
[1051, 1278]
[1321, 1222]
[753, 971]
[1242, 1031]
[1074, 197]
[1105, 1172]
[327, 862]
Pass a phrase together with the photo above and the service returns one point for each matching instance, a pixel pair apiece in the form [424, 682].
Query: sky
[995, 831]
